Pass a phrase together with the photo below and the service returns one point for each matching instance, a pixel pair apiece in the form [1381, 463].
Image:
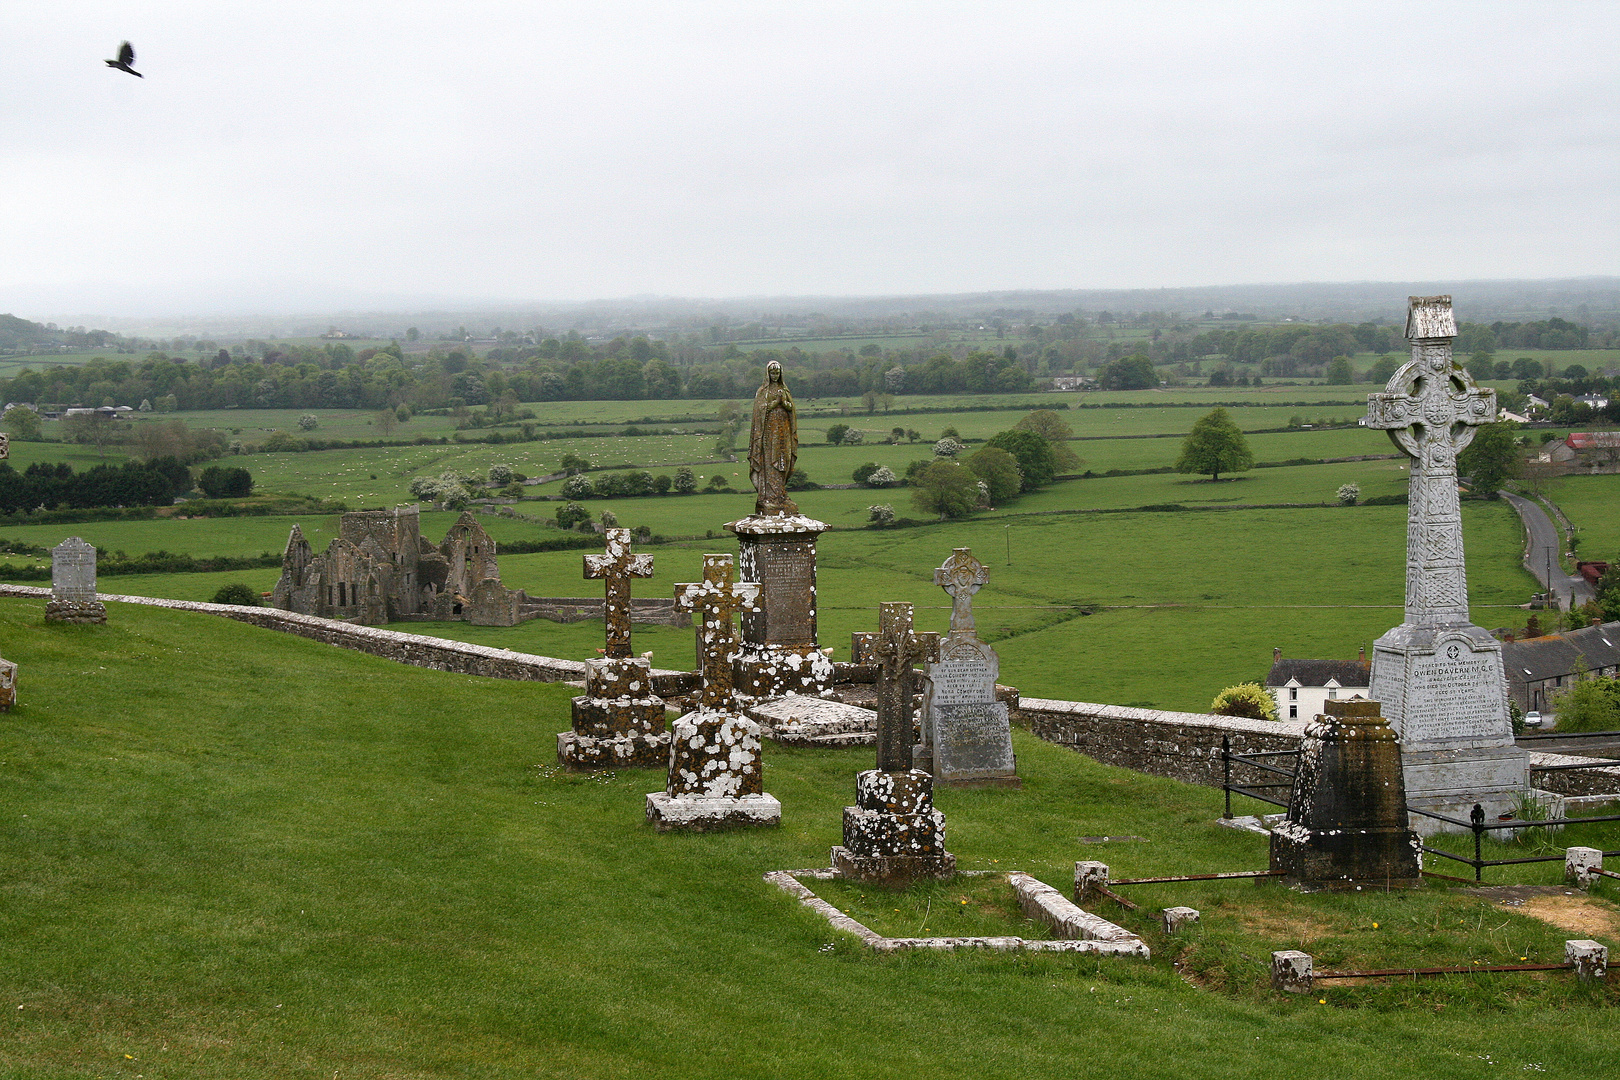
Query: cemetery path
[1542, 554]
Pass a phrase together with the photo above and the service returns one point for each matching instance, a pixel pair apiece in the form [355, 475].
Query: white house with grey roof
[1301, 687]
[1539, 668]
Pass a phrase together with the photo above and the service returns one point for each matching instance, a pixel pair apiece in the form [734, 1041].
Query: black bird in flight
[126, 57]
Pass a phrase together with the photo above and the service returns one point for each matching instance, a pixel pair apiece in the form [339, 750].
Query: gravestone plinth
[8, 685]
[893, 835]
[1347, 823]
[966, 733]
[778, 654]
[73, 584]
[1439, 677]
[619, 722]
[716, 777]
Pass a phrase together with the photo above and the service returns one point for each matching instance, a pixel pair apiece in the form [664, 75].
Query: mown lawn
[295, 861]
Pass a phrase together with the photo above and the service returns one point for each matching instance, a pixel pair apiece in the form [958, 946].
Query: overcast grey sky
[320, 155]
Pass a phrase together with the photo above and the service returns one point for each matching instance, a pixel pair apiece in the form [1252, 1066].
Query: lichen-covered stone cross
[897, 649]
[1430, 409]
[715, 599]
[617, 566]
[961, 576]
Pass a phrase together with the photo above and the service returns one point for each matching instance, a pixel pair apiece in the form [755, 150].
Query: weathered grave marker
[1439, 677]
[715, 774]
[966, 734]
[893, 835]
[620, 721]
[73, 584]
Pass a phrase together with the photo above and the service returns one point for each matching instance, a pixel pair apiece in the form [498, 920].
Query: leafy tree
[385, 421]
[836, 433]
[403, 413]
[308, 422]
[225, 482]
[854, 437]
[23, 423]
[863, 471]
[999, 472]
[1055, 430]
[1383, 369]
[947, 489]
[661, 483]
[238, 593]
[947, 447]
[573, 464]
[685, 480]
[1339, 372]
[1482, 366]
[1492, 459]
[1130, 373]
[1245, 699]
[1589, 705]
[570, 514]
[1033, 453]
[1213, 446]
[500, 474]
[880, 515]
[1348, 494]
[578, 487]
[93, 428]
[882, 477]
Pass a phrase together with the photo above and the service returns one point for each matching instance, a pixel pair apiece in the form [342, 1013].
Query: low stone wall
[415, 649]
[1181, 746]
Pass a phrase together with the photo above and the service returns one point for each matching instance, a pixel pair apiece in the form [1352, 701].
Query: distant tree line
[58, 486]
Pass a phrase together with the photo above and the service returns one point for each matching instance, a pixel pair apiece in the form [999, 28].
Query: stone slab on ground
[801, 720]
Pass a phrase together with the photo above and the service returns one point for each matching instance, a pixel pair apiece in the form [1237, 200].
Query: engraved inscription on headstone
[73, 571]
[1456, 701]
[788, 574]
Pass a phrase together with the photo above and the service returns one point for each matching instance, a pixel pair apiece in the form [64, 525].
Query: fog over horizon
[296, 157]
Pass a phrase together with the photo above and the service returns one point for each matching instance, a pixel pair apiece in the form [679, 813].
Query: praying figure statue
[773, 445]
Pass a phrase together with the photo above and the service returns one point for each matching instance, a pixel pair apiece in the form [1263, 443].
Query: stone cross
[618, 566]
[1430, 409]
[715, 599]
[896, 650]
[961, 576]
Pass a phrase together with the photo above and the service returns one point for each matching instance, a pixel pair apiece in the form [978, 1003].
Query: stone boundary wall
[415, 649]
[1187, 746]
[1181, 746]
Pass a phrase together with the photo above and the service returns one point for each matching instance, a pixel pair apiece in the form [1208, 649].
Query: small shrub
[1245, 699]
[238, 593]
[1348, 494]
[308, 422]
[880, 515]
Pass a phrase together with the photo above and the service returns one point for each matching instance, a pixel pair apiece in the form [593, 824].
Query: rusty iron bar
[1115, 897]
[1605, 873]
[1477, 969]
[1199, 877]
[1262, 765]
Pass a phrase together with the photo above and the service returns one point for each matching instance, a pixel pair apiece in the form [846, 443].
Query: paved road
[1542, 552]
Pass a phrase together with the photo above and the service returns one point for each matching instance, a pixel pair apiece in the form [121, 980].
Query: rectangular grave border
[1083, 932]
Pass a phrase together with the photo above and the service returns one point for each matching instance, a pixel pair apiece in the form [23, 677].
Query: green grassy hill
[230, 852]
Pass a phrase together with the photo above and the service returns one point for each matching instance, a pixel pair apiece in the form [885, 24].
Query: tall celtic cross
[617, 566]
[897, 648]
[961, 576]
[715, 599]
[1430, 409]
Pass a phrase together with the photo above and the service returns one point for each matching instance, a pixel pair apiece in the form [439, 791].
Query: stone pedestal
[8, 687]
[619, 723]
[715, 776]
[1346, 825]
[779, 654]
[75, 611]
[893, 835]
[1444, 692]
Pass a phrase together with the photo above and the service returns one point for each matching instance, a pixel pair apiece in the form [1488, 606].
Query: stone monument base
[893, 834]
[8, 685]
[773, 671]
[711, 813]
[1450, 782]
[619, 723]
[75, 611]
[893, 871]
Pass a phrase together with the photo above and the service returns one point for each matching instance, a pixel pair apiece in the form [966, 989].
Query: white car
[1532, 719]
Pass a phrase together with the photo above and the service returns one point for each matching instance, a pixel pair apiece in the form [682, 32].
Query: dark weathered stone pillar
[1347, 823]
